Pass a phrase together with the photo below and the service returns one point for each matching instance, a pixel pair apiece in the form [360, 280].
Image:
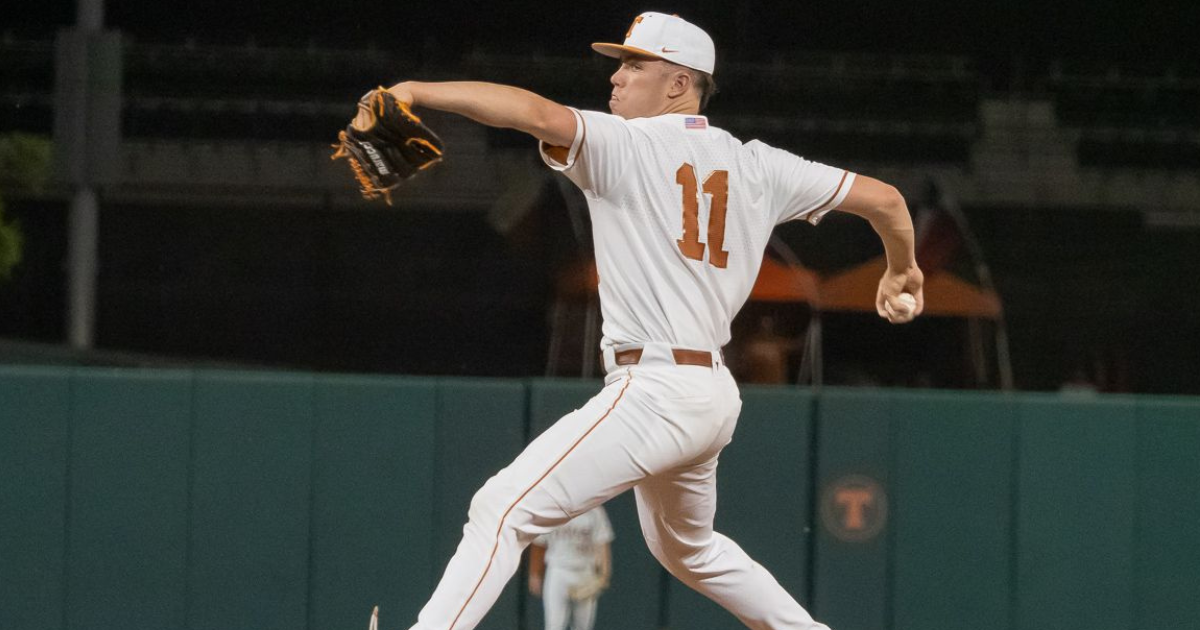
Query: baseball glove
[589, 588]
[386, 144]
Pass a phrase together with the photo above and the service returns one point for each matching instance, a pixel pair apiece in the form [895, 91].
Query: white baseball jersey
[573, 546]
[681, 213]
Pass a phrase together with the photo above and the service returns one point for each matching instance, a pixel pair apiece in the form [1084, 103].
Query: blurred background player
[570, 567]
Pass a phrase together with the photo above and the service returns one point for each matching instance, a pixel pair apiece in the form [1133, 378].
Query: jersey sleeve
[799, 188]
[599, 154]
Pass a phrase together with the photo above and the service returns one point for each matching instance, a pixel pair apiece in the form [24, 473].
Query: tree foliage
[24, 167]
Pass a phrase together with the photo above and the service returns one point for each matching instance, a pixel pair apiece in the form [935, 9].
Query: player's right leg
[556, 600]
[676, 511]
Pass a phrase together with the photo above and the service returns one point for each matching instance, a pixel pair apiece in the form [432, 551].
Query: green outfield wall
[215, 500]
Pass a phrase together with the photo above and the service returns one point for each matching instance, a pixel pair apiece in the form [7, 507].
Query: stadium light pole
[84, 218]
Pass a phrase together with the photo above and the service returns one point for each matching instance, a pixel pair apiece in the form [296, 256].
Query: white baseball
[908, 302]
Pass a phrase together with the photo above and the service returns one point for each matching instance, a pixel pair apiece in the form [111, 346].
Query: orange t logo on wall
[637, 20]
[854, 502]
[854, 508]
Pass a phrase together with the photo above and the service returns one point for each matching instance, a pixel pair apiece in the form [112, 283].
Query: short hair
[702, 81]
[705, 86]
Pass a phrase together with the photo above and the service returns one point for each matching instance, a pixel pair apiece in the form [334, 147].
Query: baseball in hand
[908, 305]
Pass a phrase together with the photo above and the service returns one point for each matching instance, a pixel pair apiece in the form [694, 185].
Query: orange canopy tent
[852, 290]
[577, 286]
[945, 294]
[777, 282]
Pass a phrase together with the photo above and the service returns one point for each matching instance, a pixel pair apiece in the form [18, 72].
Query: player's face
[640, 87]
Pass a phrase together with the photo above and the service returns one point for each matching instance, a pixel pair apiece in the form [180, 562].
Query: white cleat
[374, 619]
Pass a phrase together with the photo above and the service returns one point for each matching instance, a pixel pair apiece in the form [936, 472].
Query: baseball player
[681, 213]
[570, 567]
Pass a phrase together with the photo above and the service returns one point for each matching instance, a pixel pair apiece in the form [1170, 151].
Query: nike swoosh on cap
[668, 50]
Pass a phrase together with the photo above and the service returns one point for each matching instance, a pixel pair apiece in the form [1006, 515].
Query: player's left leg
[573, 466]
[583, 614]
[586, 458]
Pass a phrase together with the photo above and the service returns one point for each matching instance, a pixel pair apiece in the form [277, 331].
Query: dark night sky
[1156, 31]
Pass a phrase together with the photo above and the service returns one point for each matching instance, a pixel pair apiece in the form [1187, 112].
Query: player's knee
[534, 515]
[666, 550]
[487, 504]
[695, 559]
[681, 559]
[494, 508]
[655, 548]
[671, 562]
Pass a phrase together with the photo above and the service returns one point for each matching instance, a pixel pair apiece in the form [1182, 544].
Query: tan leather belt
[682, 357]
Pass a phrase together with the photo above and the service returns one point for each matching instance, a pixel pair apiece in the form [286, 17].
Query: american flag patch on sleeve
[695, 123]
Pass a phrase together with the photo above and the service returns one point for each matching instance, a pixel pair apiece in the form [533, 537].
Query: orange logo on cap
[637, 20]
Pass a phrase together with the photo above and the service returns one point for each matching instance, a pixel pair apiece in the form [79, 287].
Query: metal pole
[590, 338]
[84, 217]
[813, 360]
[90, 15]
[1004, 359]
[81, 259]
[818, 336]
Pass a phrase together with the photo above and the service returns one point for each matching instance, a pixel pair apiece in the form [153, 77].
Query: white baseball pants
[655, 427]
[557, 604]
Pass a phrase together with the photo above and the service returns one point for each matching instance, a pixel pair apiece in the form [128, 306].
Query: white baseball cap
[668, 37]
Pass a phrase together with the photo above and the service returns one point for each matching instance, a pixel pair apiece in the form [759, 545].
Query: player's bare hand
[402, 91]
[535, 585]
[889, 302]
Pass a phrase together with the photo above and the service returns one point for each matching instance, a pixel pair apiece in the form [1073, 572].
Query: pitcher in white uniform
[565, 562]
[681, 212]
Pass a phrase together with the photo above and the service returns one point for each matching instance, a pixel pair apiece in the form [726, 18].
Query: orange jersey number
[716, 184]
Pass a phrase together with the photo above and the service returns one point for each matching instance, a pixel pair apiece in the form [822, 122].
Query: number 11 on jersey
[717, 185]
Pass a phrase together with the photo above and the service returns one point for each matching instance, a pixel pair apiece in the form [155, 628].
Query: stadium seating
[1173, 155]
[921, 109]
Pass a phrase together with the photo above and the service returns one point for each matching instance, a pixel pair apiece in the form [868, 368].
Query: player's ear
[681, 83]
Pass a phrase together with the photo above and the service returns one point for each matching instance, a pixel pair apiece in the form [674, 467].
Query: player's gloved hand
[386, 144]
[888, 302]
[588, 588]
